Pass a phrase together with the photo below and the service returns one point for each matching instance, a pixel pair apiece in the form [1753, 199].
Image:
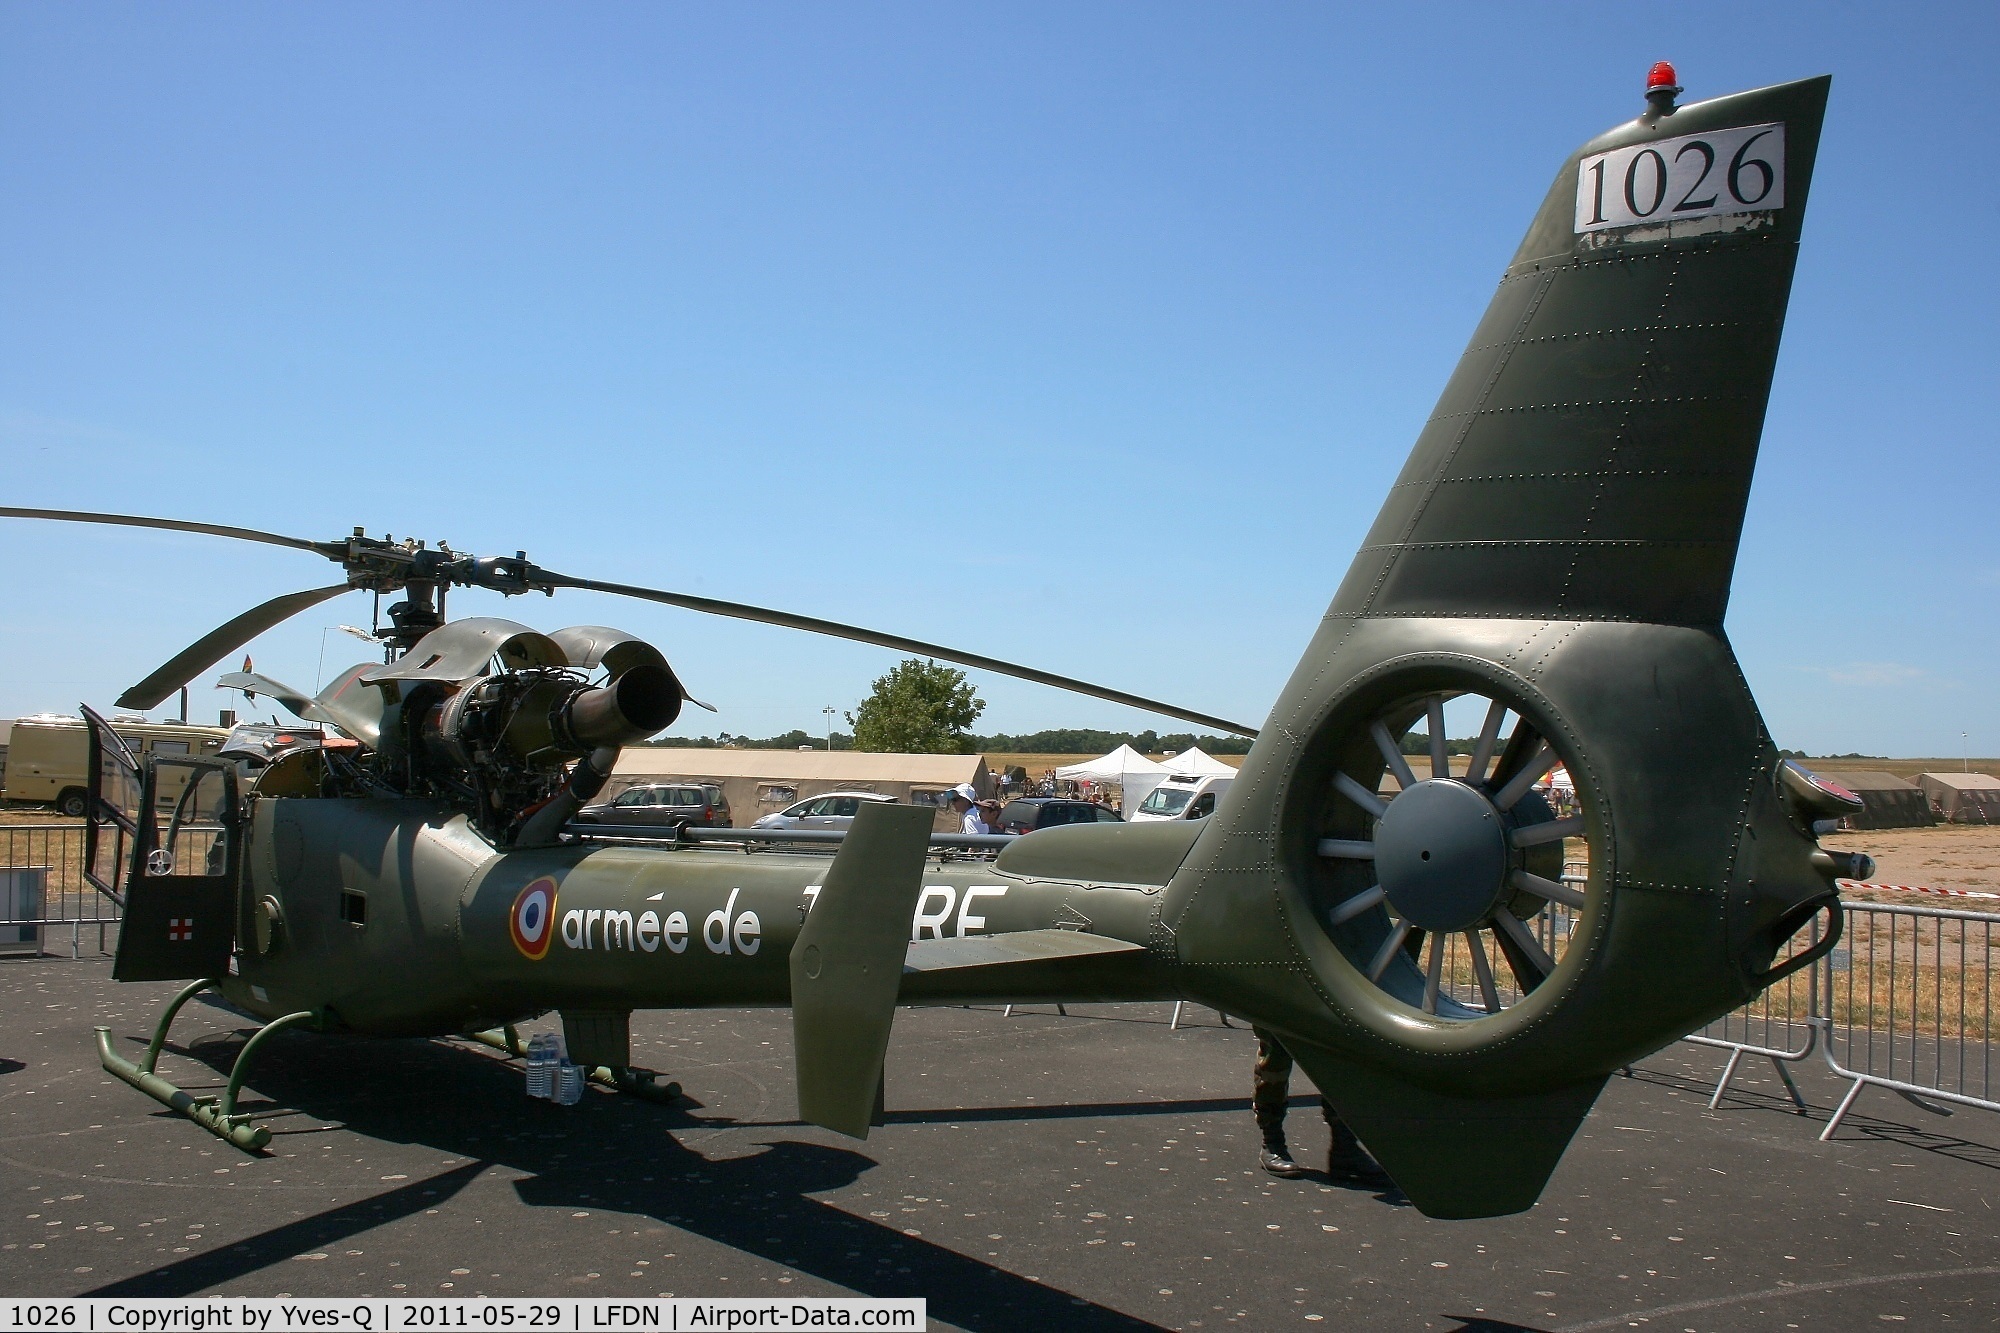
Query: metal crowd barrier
[1909, 1006]
[43, 891]
[1905, 1004]
[1780, 1025]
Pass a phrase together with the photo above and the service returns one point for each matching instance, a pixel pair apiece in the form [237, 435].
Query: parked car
[687, 804]
[1038, 812]
[834, 810]
[1182, 796]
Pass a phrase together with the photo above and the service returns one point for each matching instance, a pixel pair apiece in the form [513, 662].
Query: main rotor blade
[814, 625]
[174, 524]
[211, 647]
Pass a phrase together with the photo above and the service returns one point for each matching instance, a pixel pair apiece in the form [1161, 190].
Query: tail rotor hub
[1441, 856]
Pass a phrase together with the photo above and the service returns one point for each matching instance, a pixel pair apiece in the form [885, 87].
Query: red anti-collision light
[1661, 76]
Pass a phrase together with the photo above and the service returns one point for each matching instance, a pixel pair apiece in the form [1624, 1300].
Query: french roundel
[533, 918]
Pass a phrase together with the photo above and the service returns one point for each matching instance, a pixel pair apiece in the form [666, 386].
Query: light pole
[829, 710]
[1965, 752]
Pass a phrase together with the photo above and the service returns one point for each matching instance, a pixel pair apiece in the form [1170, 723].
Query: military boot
[1277, 1159]
[1348, 1163]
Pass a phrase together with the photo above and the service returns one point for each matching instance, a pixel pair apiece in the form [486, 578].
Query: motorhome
[48, 755]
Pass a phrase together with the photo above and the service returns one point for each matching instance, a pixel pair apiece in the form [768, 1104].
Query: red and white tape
[1915, 888]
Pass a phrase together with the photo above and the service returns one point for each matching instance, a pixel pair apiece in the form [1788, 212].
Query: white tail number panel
[1738, 170]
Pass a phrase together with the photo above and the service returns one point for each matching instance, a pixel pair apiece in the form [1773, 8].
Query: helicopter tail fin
[1590, 458]
[847, 965]
[1555, 559]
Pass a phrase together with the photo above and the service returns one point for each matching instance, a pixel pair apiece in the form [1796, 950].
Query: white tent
[1199, 762]
[1134, 774]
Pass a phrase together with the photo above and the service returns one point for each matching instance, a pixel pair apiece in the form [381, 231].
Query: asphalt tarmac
[1094, 1171]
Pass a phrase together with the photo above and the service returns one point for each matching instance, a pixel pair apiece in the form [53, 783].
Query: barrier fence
[1778, 1024]
[43, 894]
[1910, 1006]
[1904, 1004]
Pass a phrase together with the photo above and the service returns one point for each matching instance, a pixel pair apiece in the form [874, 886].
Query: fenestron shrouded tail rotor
[421, 573]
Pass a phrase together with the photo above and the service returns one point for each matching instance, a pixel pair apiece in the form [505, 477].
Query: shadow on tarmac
[611, 1152]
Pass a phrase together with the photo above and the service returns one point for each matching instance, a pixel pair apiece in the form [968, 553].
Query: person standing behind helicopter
[965, 804]
[1270, 1093]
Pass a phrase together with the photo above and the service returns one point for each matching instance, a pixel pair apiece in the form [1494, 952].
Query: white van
[1181, 796]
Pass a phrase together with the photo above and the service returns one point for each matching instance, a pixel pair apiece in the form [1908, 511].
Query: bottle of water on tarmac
[542, 1066]
[568, 1084]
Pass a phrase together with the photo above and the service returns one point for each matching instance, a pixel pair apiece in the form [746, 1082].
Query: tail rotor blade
[218, 643]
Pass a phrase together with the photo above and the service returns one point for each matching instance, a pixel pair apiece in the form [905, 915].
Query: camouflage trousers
[1271, 1087]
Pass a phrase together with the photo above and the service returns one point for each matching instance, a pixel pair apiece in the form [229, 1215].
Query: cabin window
[353, 907]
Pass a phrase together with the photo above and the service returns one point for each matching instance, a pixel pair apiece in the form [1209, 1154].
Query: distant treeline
[791, 740]
[1077, 741]
[1419, 742]
[1103, 742]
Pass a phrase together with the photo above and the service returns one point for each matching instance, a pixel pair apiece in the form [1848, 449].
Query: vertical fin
[847, 965]
[1591, 456]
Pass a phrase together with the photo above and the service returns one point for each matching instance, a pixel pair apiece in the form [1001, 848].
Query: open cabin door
[179, 879]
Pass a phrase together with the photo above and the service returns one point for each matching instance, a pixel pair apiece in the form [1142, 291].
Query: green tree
[918, 708]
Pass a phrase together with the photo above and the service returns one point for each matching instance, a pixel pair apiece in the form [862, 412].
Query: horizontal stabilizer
[1455, 1157]
[847, 965]
[1029, 967]
[1025, 946]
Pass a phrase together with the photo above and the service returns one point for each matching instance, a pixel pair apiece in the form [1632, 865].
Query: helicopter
[1457, 960]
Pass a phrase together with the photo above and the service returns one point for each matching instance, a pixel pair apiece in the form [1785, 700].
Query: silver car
[834, 810]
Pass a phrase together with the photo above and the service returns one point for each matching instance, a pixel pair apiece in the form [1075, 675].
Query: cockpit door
[180, 884]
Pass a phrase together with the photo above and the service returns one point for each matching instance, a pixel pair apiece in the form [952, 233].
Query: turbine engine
[502, 720]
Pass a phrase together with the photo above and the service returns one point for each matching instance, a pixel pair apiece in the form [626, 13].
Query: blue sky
[1089, 335]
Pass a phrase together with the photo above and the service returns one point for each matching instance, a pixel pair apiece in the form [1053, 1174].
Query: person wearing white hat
[965, 804]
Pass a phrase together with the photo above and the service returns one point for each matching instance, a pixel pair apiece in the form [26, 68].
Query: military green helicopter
[1456, 962]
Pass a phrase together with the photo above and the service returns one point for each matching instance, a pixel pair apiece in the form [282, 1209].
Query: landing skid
[216, 1115]
[643, 1083]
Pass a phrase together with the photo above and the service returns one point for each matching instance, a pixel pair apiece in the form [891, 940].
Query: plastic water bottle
[542, 1066]
[568, 1083]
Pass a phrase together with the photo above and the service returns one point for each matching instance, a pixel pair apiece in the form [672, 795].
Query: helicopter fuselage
[397, 919]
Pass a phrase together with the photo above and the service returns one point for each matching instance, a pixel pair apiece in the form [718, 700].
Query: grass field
[1902, 768]
[1038, 764]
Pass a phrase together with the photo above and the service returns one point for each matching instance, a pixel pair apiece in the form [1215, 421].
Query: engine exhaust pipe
[633, 705]
[585, 781]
